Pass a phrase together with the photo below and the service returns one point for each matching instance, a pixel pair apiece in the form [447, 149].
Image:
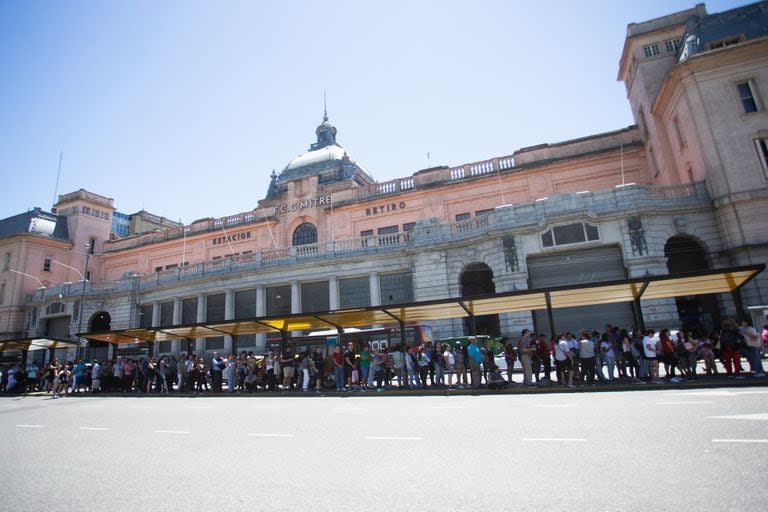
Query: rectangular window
[354, 292]
[245, 304]
[396, 288]
[762, 153]
[6, 262]
[2, 293]
[409, 226]
[172, 266]
[463, 216]
[651, 50]
[315, 297]
[145, 316]
[166, 314]
[481, 213]
[158, 269]
[569, 234]
[214, 307]
[214, 343]
[671, 45]
[279, 300]
[189, 311]
[87, 275]
[747, 96]
[47, 265]
[91, 245]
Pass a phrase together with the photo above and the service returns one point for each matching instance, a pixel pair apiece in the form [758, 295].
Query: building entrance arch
[686, 254]
[477, 279]
[101, 321]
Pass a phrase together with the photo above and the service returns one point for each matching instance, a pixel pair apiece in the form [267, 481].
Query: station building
[683, 189]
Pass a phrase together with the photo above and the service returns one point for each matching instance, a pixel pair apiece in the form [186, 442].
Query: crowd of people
[583, 359]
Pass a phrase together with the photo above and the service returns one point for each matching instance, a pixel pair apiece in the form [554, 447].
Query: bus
[376, 339]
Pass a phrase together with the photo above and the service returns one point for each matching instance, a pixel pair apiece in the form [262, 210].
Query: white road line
[393, 438]
[556, 405]
[145, 407]
[763, 416]
[94, 428]
[270, 435]
[554, 439]
[171, 432]
[447, 407]
[740, 441]
[692, 402]
[91, 406]
[29, 426]
[199, 407]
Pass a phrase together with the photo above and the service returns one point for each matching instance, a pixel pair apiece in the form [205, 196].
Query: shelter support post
[234, 343]
[737, 302]
[51, 351]
[550, 316]
[114, 350]
[637, 312]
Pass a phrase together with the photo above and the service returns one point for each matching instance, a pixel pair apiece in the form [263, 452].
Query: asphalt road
[676, 450]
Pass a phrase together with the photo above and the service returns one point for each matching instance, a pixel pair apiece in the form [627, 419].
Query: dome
[324, 154]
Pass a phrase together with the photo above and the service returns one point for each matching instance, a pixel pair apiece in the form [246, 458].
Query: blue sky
[185, 108]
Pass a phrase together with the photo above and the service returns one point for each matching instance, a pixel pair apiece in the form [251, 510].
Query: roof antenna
[58, 175]
[325, 108]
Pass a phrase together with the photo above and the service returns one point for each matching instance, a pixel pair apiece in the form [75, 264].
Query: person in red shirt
[338, 368]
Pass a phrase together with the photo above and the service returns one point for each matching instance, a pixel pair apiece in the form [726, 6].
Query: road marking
[270, 435]
[721, 393]
[29, 426]
[556, 405]
[94, 428]
[393, 438]
[740, 441]
[692, 402]
[554, 439]
[171, 432]
[199, 407]
[763, 416]
[446, 407]
[145, 407]
[91, 406]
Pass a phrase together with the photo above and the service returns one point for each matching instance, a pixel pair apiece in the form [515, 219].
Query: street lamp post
[82, 304]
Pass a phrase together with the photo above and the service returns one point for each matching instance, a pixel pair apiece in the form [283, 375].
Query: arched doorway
[477, 279]
[686, 254]
[101, 321]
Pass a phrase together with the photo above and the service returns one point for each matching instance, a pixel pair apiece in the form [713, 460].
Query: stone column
[229, 314]
[374, 290]
[261, 310]
[155, 323]
[295, 302]
[333, 293]
[177, 344]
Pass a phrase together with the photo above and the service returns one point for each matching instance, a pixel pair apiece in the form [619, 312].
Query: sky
[184, 108]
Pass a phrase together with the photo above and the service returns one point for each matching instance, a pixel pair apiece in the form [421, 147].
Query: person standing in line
[754, 348]
[525, 352]
[729, 341]
[587, 358]
[365, 367]
[475, 360]
[651, 350]
[181, 373]
[398, 364]
[287, 363]
[460, 355]
[32, 376]
[338, 368]
[95, 377]
[319, 364]
[388, 367]
[410, 368]
[564, 362]
[217, 368]
[509, 357]
[544, 349]
[450, 363]
[231, 369]
[350, 364]
[423, 363]
[609, 356]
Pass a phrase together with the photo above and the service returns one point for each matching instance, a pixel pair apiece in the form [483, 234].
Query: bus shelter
[633, 290]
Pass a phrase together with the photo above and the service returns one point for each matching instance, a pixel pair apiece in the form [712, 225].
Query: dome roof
[326, 153]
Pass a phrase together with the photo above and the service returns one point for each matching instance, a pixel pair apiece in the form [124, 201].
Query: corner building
[684, 189]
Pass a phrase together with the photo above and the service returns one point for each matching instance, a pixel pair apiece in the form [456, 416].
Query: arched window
[305, 234]
[54, 308]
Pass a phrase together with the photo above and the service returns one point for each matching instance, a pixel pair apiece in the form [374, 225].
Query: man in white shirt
[753, 341]
[95, 377]
[649, 348]
[564, 361]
